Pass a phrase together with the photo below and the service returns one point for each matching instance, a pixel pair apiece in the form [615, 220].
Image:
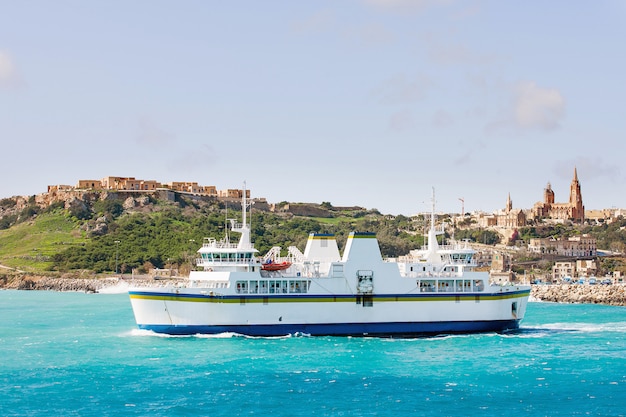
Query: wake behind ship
[321, 292]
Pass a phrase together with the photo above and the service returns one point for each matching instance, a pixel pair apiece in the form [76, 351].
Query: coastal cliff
[583, 294]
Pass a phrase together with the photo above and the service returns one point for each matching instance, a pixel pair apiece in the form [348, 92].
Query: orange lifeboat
[275, 266]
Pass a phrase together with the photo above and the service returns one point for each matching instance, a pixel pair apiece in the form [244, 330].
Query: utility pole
[117, 250]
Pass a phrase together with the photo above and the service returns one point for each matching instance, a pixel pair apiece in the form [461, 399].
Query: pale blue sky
[355, 102]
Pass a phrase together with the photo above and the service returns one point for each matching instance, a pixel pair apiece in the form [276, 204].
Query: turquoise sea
[75, 354]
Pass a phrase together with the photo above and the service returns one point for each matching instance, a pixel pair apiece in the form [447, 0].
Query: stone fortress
[133, 184]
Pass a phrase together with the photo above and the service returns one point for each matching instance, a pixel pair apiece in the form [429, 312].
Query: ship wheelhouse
[225, 256]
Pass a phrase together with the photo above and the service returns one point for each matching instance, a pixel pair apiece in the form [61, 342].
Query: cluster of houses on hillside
[576, 258]
[134, 184]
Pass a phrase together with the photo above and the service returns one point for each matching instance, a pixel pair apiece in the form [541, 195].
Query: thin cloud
[537, 107]
[459, 54]
[8, 72]
[371, 34]
[403, 90]
[532, 108]
[401, 121]
[442, 118]
[318, 22]
[151, 134]
[589, 169]
[194, 160]
[468, 153]
[412, 6]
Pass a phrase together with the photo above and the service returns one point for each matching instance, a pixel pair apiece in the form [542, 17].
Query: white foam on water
[225, 335]
[147, 333]
[617, 327]
[119, 288]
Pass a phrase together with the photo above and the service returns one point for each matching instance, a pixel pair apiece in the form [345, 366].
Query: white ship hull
[190, 312]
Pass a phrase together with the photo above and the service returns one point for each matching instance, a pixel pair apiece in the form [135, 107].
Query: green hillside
[30, 245]
[100, 236]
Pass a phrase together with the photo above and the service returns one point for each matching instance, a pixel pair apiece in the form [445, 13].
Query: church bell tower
[576, 199]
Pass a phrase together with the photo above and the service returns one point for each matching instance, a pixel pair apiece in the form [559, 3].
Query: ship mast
[433, 246]
[243, 228]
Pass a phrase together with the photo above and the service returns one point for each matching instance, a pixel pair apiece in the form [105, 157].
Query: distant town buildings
[133, 184]
[575, 246]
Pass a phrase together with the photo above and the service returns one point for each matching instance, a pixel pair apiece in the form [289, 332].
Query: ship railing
[217, 261]
[435, 274]
[210, 242]
[220, 245]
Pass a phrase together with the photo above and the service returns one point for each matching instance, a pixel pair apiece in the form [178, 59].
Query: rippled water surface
[81, 354]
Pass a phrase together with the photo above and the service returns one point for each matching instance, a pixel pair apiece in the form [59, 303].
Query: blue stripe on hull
[344, 329]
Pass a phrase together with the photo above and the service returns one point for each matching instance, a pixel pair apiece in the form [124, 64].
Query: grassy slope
[28, 246]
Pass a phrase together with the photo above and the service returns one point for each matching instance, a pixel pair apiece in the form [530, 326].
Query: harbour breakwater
[582, 294]
[89, 285]
[614, 294]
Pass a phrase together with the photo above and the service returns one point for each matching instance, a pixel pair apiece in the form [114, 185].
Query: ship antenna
[432, 212]
[432, 234]
[244, 208]
[226, 236]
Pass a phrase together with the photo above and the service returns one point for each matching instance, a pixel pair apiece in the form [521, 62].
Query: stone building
[563, 270]
[509, 217]
[573, 210]
[575, 246]
[89, 185]
[571, 270]
[500, 271]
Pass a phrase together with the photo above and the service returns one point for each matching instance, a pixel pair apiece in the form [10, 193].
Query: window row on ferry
[284, 286]
[422, 271]
[460, 285]
[245, 257]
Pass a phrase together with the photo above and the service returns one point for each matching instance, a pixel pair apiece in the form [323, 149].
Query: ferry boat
[322, 292]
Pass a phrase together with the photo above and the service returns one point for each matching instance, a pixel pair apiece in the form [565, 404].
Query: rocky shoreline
[88, 285]
[590, 294]
[614, 295]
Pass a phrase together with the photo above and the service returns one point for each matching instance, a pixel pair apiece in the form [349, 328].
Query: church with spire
[510, 217]
[507, 218]
[573, 210]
